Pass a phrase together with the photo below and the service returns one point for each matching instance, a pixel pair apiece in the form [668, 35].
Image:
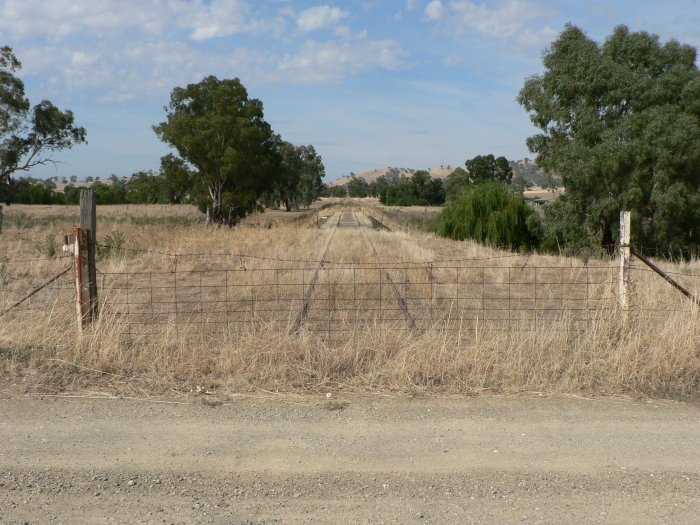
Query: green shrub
[492, 214]
[112, 246]
[48, 248]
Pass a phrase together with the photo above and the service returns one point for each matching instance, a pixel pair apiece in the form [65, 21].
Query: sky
[404, 83]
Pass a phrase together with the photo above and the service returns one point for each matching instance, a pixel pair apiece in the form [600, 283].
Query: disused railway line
[348, 219]
[308, 293]
[397, 293]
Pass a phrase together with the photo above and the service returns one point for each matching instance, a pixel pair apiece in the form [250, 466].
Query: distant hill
[526, 167]
[390, 173]
[531, 172]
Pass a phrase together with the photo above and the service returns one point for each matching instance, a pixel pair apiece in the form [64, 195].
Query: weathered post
[624, 275]
[88, 220]
[0, 219]
[81, 238]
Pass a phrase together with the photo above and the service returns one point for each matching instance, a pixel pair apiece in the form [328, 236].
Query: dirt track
[377, 460]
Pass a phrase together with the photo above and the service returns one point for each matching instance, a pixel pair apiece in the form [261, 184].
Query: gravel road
[501, 459]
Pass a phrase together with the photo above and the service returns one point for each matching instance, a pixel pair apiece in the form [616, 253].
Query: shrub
[492, 214]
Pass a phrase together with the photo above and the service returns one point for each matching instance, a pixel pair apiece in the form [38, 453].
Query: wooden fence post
[624, 275]
[88, 220]
[80, 272]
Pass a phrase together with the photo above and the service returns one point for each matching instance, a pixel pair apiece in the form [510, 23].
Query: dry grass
[654, 352]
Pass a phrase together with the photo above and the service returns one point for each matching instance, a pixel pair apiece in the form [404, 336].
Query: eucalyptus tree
[29, 134]
[620, 124]
[222, 133]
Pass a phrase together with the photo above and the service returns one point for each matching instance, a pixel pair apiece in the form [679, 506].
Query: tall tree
[299, 179]
[312, 173]
[28, 135]
[286, 186]
[455, 183]
[621, 125]
[483, 168]
[358, 187]
[216, 128]
[177, 179]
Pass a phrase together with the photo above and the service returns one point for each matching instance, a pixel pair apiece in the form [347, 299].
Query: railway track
[348, 219]
[397, 293]
[308, 294]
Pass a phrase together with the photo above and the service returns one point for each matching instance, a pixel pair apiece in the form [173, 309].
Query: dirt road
[350, 460]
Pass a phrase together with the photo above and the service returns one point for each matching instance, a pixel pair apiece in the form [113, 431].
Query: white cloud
[319, 17]
[331, 61]
[122, 50]
[411, 5]
[434, 10]
[512, 20]
[152, 69]
[60, 19]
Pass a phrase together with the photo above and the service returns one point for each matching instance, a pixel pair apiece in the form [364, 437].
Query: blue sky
[406, 83]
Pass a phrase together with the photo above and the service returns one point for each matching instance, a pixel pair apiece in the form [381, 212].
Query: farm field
[300, 301]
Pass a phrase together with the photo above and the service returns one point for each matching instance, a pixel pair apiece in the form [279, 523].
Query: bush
[492, 214]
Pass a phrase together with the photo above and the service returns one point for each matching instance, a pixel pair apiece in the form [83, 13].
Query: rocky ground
[503, 459]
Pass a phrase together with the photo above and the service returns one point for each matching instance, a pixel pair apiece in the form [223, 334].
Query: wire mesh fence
[334, 300]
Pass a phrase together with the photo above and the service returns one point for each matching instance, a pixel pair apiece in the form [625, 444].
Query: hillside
[526, 167]
[439, 172]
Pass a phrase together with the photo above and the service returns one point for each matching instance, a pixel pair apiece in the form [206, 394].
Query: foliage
[49, 247]
[112, 245]
[418, 190]
[484, 168]
[145, 187]
[492, 214]
[481, 168]
[520, 183]
[299, 178]
[29, 134]
[177, 180]
[455, 183]
[311, 181]
[621, 124]
[30, 191]
[358, 187]
[334, 191]
[379, 187]
[110, 193]
[216, 128]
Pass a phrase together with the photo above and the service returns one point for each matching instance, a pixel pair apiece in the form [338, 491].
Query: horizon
[414, 84]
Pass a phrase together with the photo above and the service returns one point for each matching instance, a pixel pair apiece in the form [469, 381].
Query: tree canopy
[298, 181]
[492, 214]
[484, 168]
[28, 135]
[216, 128]
[620, 123]
[418, 190]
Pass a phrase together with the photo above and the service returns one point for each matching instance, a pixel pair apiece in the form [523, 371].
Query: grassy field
[521, 332]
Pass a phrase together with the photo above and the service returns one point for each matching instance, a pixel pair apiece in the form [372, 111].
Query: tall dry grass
[654, 350]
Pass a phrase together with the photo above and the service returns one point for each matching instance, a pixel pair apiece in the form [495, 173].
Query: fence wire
[455, 296]
[345, 299]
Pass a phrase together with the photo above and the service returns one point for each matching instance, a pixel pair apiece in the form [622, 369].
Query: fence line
[345, 299]
[462, 298]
